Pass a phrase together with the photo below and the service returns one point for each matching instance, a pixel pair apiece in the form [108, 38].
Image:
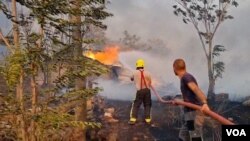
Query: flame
[108, 56]
[90, 54]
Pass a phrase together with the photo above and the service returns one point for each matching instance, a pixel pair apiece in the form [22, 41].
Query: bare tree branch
[219, 21]
[184, 5]
[5, 41]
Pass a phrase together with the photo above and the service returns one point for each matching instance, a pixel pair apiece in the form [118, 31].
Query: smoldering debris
[167, 120]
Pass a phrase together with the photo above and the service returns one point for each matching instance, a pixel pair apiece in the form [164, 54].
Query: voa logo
[236, 132]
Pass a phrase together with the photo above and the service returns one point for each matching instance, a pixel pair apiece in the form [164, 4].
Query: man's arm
[198, 92]
[200, 95]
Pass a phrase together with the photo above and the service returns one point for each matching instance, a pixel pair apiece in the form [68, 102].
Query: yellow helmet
[139, 63]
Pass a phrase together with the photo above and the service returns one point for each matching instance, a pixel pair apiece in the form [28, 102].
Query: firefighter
[193, 94]
[142, 80]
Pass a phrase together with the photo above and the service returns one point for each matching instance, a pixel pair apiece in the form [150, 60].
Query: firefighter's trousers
[142, 96]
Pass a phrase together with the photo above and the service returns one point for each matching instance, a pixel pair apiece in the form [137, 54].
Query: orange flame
[108, 56]
[90, 55]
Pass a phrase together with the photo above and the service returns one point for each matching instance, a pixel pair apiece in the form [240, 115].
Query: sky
[155, 19]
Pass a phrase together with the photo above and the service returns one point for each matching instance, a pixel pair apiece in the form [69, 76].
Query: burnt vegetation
[47, 85]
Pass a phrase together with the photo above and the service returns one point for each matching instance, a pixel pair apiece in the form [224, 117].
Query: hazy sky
[155, 19]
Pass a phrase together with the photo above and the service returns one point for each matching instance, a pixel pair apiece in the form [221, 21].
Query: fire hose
[210, 113]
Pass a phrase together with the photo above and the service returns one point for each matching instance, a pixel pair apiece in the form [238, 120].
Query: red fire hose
[210, 113]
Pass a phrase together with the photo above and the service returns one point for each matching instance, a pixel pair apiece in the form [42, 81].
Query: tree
[133, 42]
[8, 14]
[81, 108]
[130, 41]
[207, 16]
[64, 38]
[13, 15]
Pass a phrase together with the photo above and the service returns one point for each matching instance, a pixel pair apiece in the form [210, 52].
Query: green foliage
[217, 50]
[219, 68]
[5, 10]
[79, 68]
[203, 10]
[47, 13]
[21, 59]
[49, 51]
[81, 94]
[10, 106]
[12, 68]
[52, 123]
[206, 16]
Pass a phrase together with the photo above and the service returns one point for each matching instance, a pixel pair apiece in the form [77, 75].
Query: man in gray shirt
[193, 94]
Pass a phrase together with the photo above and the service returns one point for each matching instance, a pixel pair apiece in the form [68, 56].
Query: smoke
[162, 76]
[155, 19]
[115, 90]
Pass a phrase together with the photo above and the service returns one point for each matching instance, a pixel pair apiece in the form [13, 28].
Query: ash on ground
[166, 121]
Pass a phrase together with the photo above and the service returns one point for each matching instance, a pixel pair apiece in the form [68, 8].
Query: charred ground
[166, 122]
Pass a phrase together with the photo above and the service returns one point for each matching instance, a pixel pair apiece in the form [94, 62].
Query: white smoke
[155, 19]
[162, 76]
[115, 90]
